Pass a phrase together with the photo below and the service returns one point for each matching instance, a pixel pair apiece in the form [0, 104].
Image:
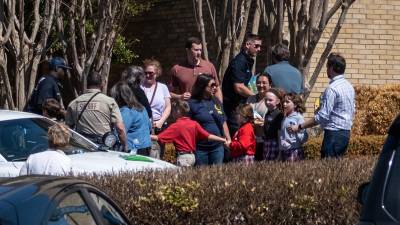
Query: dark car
[34, 200]
[381, 196]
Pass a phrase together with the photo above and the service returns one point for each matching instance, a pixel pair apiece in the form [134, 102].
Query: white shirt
[50, 162]
[158, 104]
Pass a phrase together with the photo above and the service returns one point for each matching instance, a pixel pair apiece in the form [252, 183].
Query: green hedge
[308, 192]
[358, 146]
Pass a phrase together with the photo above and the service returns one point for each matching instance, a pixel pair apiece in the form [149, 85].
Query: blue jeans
[211, 157]
[335, 143]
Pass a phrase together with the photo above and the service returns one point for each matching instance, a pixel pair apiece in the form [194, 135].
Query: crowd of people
[208, 121]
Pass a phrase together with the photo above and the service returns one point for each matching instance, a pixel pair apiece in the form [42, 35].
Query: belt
[183, 153]
[93, 137]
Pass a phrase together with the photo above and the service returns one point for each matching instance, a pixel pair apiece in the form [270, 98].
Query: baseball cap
[58, 62]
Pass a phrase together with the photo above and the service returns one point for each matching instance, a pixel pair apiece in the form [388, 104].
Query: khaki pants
[185, 160]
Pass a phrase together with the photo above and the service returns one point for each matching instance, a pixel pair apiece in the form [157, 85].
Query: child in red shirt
[184, 134]
[243, 145]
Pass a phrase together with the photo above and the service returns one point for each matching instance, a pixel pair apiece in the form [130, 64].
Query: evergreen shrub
[307, 192]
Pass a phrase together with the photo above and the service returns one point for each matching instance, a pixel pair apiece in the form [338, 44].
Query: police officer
[93, 113]
[48, 86]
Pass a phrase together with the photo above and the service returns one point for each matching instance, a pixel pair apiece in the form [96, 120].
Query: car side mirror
[363, 192]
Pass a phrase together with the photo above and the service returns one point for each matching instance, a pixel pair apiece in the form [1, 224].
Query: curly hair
[59, 136]
[297, 101]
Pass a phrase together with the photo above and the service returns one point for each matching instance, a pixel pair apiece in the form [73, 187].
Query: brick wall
[369, 40]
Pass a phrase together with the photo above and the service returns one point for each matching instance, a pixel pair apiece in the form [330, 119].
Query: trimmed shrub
[358, 146]
[375, 109]
[307, 192]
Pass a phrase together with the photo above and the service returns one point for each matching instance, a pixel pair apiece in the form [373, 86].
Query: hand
[158, 124]
[185, 96]
[227, 143]
[259, 122]
[293, 128]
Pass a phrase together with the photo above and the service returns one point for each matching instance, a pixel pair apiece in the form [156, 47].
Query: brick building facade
[369, 40]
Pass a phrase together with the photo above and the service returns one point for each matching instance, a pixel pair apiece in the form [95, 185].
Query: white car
[22, 134]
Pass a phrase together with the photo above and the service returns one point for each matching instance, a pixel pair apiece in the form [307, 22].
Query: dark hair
[265, 75]
[124, 96]
[94, 79]
[180, 107]
[192, 40]
[297, 101]
[280, 52]
[337, 62]
[132, 75]
[200, 85]
[53, 109]
[279, 93]
[246, 111]
[250, 38]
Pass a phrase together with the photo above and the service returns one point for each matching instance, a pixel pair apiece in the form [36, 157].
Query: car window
[109, 214]
[72, 210]
[391, 193]
[21, 137]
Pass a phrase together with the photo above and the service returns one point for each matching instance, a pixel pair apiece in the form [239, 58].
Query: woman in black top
[206, 109]
[133, 75]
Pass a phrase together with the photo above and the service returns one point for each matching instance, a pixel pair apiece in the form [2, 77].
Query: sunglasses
[149, 73]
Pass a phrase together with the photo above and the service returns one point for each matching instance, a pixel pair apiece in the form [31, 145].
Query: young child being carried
[243, 145]
[184, 134]
[291, 143]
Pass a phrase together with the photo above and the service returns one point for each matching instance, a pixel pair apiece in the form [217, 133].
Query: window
[109, 214]
[21, 137]
[72, 210]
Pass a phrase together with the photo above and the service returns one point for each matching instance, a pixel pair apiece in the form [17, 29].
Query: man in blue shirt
[336, 112]
[48, 86]
[284, 75]
[236, 78]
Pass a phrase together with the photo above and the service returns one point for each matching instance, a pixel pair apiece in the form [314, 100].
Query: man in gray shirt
[284, 75]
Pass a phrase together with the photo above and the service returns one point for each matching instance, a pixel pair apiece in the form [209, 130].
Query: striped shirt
[337, 105]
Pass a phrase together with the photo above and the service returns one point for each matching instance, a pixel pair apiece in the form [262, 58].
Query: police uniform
[101, 112]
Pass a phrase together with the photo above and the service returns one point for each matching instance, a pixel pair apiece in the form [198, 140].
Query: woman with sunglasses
[157, 94]
[207, 110]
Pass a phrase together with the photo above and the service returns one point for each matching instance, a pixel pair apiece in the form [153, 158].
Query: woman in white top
[53, 161]
[263, 84]
[156, 92]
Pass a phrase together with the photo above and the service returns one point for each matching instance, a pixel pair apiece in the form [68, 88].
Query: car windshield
[21, 137]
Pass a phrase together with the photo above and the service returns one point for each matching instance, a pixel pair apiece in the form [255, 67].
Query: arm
[226, 132]
[242, 90]
[119, 126]
[69, 118]
[154, 137]
[165, 114]
[218, 94]
[213, 137]
[307, 124]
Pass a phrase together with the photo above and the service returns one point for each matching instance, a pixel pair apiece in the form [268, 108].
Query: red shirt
[184, 75]
[184, 133]
[244, 141]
